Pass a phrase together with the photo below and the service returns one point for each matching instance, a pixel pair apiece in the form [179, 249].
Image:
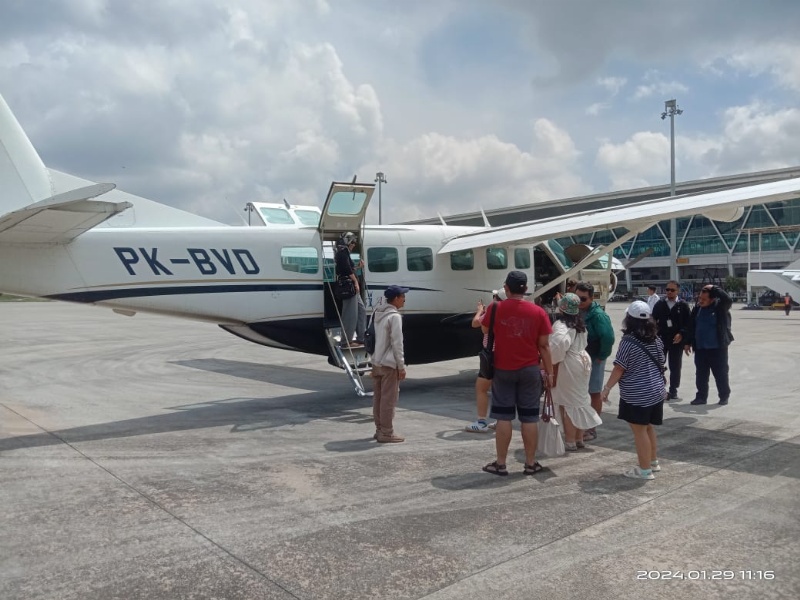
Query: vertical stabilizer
[23, 177]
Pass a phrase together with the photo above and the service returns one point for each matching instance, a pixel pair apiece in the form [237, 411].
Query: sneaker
[673, 395]
[391, 438]
[655, 466]
[479, 426]
[698, 401]
[637, 473]
[492, 425]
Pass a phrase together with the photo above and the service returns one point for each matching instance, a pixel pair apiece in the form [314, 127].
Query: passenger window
[462, 260]
[496, 258]
[383, 260]
[522, 258]
[419, 259]
[300, 260]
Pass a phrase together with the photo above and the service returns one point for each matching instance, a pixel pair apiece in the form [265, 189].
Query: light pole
[380, 178]
[670, 110]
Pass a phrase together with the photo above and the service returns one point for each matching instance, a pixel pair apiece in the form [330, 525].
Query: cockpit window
[277, 216]
[558, 250]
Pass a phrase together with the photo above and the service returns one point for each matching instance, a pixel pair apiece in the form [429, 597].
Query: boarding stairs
[356, 362]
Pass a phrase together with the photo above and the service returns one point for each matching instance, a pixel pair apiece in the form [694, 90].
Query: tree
[735, 284]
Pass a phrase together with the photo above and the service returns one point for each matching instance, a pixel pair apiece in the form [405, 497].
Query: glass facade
[699, 236]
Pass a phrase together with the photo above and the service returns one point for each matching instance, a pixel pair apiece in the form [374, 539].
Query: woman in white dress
[570, 395]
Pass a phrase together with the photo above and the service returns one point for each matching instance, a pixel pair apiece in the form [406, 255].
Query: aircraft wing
[61, 218]
[721, 205]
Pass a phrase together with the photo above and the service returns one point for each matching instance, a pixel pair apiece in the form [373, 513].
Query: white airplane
[271, 285]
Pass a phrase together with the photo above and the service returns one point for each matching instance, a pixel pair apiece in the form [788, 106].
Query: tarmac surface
[150, 457]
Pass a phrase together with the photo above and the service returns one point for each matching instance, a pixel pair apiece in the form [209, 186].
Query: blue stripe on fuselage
[90, 296]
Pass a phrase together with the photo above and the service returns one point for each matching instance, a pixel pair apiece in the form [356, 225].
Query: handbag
[550, 442]
[486, 355]
[344, 288]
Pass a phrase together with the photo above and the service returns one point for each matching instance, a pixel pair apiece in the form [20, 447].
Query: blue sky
[206, 104]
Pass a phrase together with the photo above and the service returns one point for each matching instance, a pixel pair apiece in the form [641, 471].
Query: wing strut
[590, 258]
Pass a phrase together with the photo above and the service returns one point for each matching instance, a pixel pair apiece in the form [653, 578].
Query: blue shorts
[597, 376]
[516, 392]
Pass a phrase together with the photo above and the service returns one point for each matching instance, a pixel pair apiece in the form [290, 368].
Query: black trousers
[713, 361]
[674, 354]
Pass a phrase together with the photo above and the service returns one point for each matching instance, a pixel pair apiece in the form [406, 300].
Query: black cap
[393, 291]
[516, 281]
[651, 287]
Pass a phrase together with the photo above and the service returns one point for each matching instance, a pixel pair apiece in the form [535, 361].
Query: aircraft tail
[23, 177]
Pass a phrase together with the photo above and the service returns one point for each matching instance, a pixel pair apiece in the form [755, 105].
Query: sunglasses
[583, 298]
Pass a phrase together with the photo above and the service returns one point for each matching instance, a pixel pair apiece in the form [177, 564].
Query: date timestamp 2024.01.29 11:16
[707, 574]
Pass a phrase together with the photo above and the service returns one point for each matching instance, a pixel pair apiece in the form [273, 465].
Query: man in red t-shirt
[522, 343]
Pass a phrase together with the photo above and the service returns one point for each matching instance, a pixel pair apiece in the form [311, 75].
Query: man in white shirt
[652, 297]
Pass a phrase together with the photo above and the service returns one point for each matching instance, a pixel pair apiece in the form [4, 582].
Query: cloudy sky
[206, 104]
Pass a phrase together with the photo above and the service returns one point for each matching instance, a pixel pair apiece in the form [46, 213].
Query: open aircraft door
[344, 210]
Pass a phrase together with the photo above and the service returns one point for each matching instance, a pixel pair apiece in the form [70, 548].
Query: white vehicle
[69, 239]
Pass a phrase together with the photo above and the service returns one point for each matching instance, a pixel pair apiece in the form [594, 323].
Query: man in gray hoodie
[388, 363]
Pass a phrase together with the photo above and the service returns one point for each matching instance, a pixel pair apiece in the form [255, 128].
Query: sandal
[580, 445]
[570, 446]
[533, 469]
[496, 469]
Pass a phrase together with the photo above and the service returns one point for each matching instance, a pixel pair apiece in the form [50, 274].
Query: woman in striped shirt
[639, 370]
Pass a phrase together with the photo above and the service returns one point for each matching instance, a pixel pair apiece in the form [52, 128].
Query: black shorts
[516, 392]
[641, 415]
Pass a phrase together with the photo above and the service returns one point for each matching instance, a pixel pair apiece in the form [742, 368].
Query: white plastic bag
[550, 442]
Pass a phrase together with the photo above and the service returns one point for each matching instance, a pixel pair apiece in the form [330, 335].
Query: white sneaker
[655, 466]
[479, 426]
[637, 473]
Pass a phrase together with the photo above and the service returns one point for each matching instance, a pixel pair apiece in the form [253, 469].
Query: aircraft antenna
[485, 220]
[286, 204]
[441, 218]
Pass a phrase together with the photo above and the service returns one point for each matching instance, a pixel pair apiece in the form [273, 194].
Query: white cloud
[654, 85]
[637, 162]
[612, 84]
[781, 60]
[206, 104]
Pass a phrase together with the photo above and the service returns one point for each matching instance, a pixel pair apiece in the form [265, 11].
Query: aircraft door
[344, 210]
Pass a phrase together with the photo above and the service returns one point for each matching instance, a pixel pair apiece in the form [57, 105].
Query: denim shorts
[596, 378]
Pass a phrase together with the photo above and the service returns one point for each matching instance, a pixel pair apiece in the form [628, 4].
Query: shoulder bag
[487, 353]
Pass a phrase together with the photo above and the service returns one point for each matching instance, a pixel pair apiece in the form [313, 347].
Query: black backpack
[369, 336]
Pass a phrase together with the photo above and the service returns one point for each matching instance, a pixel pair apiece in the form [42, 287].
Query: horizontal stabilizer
[60, 218]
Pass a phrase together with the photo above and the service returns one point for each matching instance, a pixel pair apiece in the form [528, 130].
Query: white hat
[639, 310]
[501, 293]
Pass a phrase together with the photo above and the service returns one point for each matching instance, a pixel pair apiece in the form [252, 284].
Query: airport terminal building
[765, 237]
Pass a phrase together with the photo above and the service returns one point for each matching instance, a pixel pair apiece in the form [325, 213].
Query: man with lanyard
[709, 334]
[354, 314]
[671, 314]
[522, 350]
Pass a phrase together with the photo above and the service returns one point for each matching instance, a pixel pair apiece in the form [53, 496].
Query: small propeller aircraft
[69, 239]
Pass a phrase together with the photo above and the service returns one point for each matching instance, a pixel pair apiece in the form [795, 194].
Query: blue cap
[393, 291]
